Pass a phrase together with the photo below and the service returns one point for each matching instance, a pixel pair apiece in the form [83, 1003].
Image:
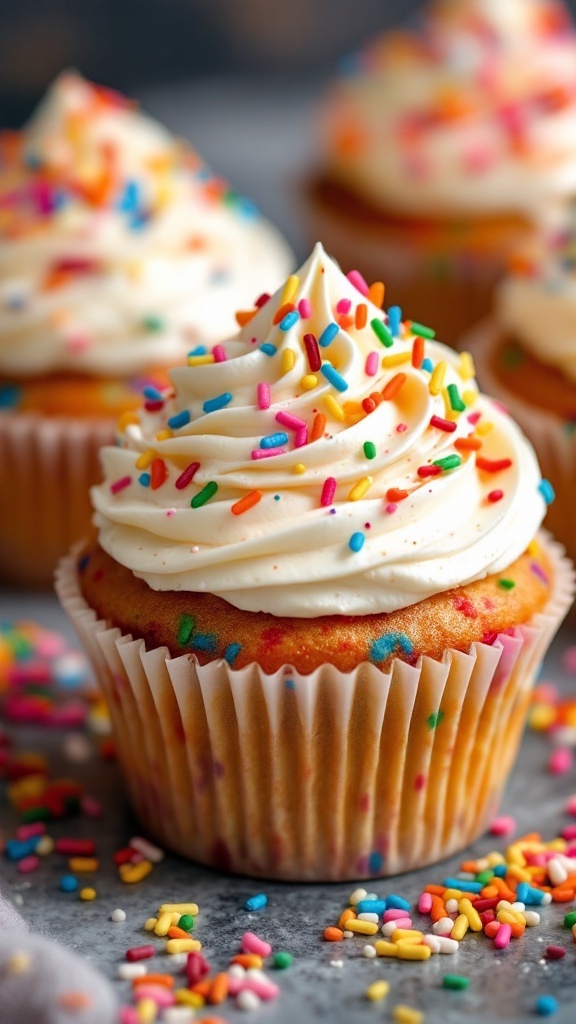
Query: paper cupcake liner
[554, 445]
[47, 466]
[329, 776]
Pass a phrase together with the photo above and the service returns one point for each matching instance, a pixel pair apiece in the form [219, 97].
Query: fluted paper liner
[555, 446]
[47, 466]
[321, 777]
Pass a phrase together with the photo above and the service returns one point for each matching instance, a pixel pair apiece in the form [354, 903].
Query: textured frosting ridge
[329, 459]
[472, 111]
[536, 302]
[118, 248]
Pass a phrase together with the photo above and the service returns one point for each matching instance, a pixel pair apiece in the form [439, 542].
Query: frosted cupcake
[444, 146]
[317, 601]
[526, 355]
[119, 254]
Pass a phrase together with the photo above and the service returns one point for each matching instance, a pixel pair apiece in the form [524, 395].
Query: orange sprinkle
[418, 352]
[562, 895]
[435, 890]
[345, 321]
[318, 426]
[202, 988]
[468, 444]
[394, 386]
[396, 494]
[345, 916]
[244, 316]
[438, 908]
[167, 980]
[469, 866]
[177, 933]
[361, 315]
[75, 1000]
[219, 989]
[288, 307]
[333, 934]
[158, 473]
[376, 294]
[247, 960]
[245, 503]
[502, 889]
[489, 892]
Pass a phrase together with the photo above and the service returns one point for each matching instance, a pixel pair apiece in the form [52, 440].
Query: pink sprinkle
[129, 1015]
[473, 418]
[328, 491]
[569, 659]
[301, 438]
[403, 922]
[569, 832]
[263, 395]
[503, 826]
[503, 936]
[158, 993]
[570, 806]
[91, 807]
[425, 903]
[394, 915]
[264, 990]
[560, 761]
[343, 306]
[187, 475]
[219, 353]
[290, 421]
[250, 943]
[38, 828]
[390, 509]
[402, 428]
[120, 484]
[267, 453]
[355, 278]
[170, 512]
[555, 952]
[305, 309]
[372, 364]
[28, 864]
[139, 953]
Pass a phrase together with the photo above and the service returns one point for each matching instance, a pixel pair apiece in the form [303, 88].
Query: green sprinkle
[153, 323]
[435, 718]
[456, 402]
[512, 356]
[369, 449]
[205, 494]
[282, 960]
[186, 923]
[450, 462]
[423, 332]
[455, 981]
[382, 332]
[507, 585]
[570, 919]
[485, 876]
[185, 629]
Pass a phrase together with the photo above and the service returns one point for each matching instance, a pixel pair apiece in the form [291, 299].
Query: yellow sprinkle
[520, 874]
[533, 548]
[45, 847]
[289, 290]
[413, 952]
[510, 917]
[163, 435]
[359, 489]
[557, 844]
[406, 1015]
[377, 990]
[452, 894]
[514, 856]
[135, 872]
[144, 460]
[484, 428]
[187, 998]
[386, 948]
[467, 368]
[87, 894]
[175, 917]
[183, 946]
[334, 408]
[449, 412]
[461, 926]
[126, 419]
[396, 360]
[163, 923]
[360, 927]
[437, 378]
[288, 360]
[473, 916]
[147, 1011]
[150, 924]
[18, 963]
[406, 933]
[309, 381]
[495, 858]
[181, 908]
[200, 360]
[299, 468]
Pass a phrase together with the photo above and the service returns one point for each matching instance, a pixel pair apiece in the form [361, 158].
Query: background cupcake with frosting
[444, 146]
[320, 550]
[120, 253]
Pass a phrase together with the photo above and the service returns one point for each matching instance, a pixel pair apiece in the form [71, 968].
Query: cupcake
[319, 596]
[119, 254]
[526, 357]
[443, 147]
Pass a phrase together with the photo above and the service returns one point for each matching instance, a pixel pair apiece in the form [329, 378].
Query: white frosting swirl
[536, 302]
[289, 554]
[474, 113]
[118, 249]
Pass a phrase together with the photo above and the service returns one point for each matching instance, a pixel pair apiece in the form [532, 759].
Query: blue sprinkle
[334, 377]
[375, 862]
[398, 903]
[129, 199]
[290, 684]
[15, 302]
[547, 491]
[152, 393]
[200, 350]
[546, 1006]
[276, 497]
[144, 479]
[394, 320]
[83, 563]
[232, 652]
[464, 885]
[274, 440]
[9, 396]
[68, 883]
[427, 365]
[328, 335]
[16, 849]
[268, 349]
[530, 896]
[500, 870]
[256, 902]
[181, 419]
[289, 320]
[356, 542]
[220, 402]
[388, 644]
[246, 207]
[371, 907]
[205, 642]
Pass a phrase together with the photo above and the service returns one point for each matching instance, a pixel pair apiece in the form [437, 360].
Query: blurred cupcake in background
[526, 357]
[444, 146]
[120, 255]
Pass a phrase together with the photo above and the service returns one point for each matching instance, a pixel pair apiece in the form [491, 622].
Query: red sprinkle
[426, 471]
[555, 952]
[495, 496]
[313, 352]
[448, 425]
[75, 847]
[139, 953]
[158, 473]
[492, 465]
[187, 475]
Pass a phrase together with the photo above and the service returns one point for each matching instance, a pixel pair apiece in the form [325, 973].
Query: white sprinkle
[336, 963]
[447, 945]
[443, 927]
[373, 918]
[369, 952]
[519, 906]
[347, 935]
[118, 915]
[452, 906]
[147, 849]
[236, 971]
[433, 942]
[178, 1015]
[129, 971]
[531, 917]
[556, 871]
[356, 896]
[77, 748]
[247, 1000]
